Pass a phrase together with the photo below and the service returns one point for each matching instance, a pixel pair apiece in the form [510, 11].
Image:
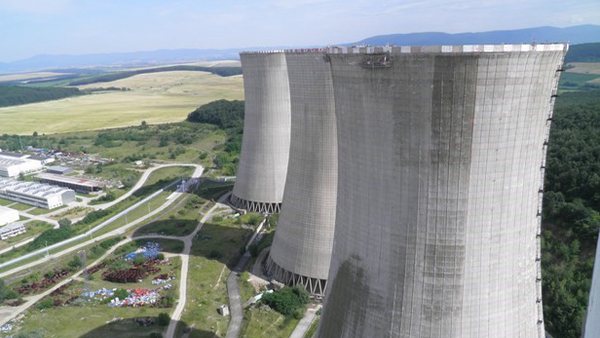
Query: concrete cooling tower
[591, 327]
[266, 142]
[301, 251]
[441, 155]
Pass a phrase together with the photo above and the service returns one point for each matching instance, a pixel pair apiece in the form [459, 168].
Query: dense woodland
[229, 116]
[571, 218]
[16, 95]
[222, 71]
[585, 52]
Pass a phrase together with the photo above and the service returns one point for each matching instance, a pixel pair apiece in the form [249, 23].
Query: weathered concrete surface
[266, 143]
[440, 168]
[591, 328]
[301, 250]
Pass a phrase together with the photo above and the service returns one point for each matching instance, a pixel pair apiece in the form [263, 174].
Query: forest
[229, 116]
[222, 71]
[571, 211]
[585, 52]
[16, 95]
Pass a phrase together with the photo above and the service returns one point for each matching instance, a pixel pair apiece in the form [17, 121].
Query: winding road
[171, 199]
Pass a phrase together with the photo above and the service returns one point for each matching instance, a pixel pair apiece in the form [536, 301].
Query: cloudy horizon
[107, 26]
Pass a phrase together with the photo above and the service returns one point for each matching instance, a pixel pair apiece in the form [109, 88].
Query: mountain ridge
[574, 35]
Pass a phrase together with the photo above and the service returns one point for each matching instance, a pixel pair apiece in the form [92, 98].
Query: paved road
[235, 298]
[197, 173]
[305, 323]
[185, 257]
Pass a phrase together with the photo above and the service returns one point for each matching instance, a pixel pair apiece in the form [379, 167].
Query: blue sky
[31, 27]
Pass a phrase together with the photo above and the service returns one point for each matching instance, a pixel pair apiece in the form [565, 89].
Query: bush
[163, 319]
[160, 256]
[45, 303]
[155, 335]
[29, 334]
[64, 223]
[289, 301]
[75, 263]
[121, 294]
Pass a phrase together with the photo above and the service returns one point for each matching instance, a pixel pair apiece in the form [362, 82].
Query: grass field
[28, 76]
[154, 98]
[584, 67]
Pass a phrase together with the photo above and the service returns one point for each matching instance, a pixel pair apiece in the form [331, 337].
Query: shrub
[163, 319]
[45, 303]
[289, 301]
[121, 294]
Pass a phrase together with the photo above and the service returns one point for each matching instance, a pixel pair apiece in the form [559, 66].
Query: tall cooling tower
[266, 143]
[441, 155]
[591, 327]
[301, 251]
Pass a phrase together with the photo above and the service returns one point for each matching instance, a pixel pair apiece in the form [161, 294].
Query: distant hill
[587, 52]
[121, 59]
[572, 35]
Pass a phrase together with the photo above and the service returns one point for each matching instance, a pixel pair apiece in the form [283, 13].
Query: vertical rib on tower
[591, 327]
[266, 142]
[301, 251]
[441, 153]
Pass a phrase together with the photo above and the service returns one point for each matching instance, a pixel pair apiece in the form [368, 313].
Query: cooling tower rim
[481, 48]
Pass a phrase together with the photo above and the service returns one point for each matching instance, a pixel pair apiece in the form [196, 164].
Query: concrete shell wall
[265, 146]
[591, 328]
[440, 169]
[301, 250]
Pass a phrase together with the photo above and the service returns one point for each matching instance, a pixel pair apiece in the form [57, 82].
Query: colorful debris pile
[137, 298]
[161, 279]
[150, 251]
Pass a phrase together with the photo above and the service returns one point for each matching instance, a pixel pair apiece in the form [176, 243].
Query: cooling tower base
[314, 286]
[251, 206]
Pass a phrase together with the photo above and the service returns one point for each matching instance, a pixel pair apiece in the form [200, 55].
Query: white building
[36, 194]
[12, 230]
[11, 166]
[8, 215]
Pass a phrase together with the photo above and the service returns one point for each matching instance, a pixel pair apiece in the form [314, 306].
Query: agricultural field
[580, 76]
[155, 98]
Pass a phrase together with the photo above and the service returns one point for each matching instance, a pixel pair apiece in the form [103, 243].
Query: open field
[28, 76]
[585, 67]
[154, 98]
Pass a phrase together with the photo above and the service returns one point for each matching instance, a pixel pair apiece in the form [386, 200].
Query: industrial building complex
[35, 194]
[8, 215]
[266, 142]
[301, 250]
[441, 154]
[13, 166]
[81, 185]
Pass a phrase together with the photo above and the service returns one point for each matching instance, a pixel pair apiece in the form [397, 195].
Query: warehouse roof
[15, 155]
[31, 188]
[71, 180]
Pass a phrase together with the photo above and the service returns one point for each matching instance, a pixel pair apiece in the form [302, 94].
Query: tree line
[571, 211]
[221, 71]
[17, 95]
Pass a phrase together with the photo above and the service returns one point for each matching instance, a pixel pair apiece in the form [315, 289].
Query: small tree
[121, 294]
[163, 319]
[64, 223]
